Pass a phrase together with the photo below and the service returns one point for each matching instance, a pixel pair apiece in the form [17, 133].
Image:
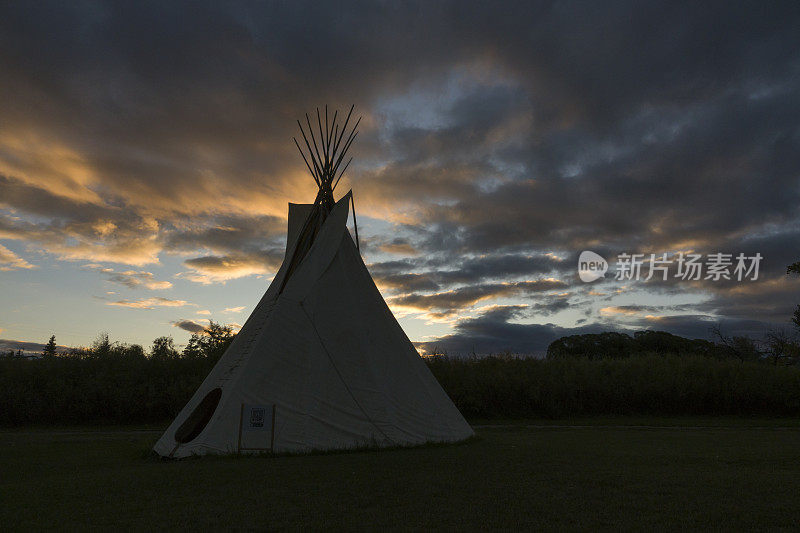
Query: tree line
[208, 344]
[776, 347]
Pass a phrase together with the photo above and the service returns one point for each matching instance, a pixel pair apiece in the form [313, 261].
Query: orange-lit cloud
[468, 296]
[399, 248]
[11, 261]
[132, 279]
[621, 310]
[149, 303]
[216, 269]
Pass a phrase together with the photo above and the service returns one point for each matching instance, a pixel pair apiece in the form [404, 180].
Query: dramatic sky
[146, 162]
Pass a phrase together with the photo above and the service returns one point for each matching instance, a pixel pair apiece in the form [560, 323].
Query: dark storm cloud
[467, 296]
[771, 301]
[492, 135]
[498, 266]
[403, 276]
[432, 272]
[406, 283]
[228, 233]
[549, 305]
[492, 332]
[189, 325]
[708, 181]
[702, 326]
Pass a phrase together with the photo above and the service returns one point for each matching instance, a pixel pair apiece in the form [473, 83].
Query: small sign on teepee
[256, 427]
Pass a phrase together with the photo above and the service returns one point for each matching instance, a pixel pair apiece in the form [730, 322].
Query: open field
[593, 473]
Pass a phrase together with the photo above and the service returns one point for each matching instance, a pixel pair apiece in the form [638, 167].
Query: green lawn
[743, 473]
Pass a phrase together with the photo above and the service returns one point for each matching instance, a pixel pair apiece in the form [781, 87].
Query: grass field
[599, 473]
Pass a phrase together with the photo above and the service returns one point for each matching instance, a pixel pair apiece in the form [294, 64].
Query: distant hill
[30, 349]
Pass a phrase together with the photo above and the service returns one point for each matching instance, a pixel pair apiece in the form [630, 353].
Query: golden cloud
[11, 261]
[620, 310]
[447, 301]
[132, 279]
[216, 269]
[398, 248]
[149, 303]
[48, 164]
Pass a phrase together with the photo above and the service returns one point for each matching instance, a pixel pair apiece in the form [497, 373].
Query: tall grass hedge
[646, 385]
[116, 390]
[97, 390]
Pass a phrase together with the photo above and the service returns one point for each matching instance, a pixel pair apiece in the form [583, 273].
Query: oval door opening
[197, 421]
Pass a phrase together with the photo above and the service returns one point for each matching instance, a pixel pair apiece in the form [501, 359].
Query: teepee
[321, 363]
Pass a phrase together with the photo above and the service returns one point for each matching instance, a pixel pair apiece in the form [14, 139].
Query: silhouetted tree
[794, 268]
[164, 348]
[80, 352]
[781, 348]
[101, 347]
[210, 343]
[741, 347]
[50, 347]
[128, 350]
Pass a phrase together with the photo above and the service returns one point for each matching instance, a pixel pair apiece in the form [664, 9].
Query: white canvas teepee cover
[321, 364]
